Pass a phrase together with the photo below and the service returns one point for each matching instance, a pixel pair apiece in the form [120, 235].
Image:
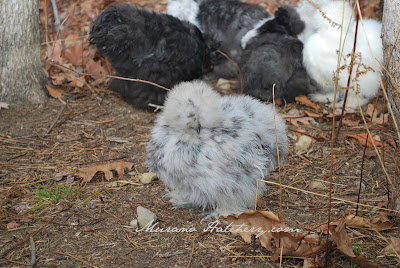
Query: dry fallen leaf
[55, 52]
[343, 243]
[59, 79]
[267, 226]
[299, 132]
[350, 123]
[313, 114]
[78, 82]
[391, 141]
[94, 67]
[383, 204]
[363, 137]
[53, 92]
[357, 221]
[364, 262]
[321, 135]
[392, 248]
[72, 39]
[383, 223]
[295, 120]
[373, 113]
[74, 54]
[304, 100]
[88, 5]
[87, 173]
[341, 239]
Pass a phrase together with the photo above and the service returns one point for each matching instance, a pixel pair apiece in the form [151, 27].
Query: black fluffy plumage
[226, 22]
[151, 46]
[274, 56]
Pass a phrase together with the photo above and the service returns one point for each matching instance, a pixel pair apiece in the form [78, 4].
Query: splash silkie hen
[211, 150]
[273, 55]
[320, 56]
[226, 22]
[150, 46]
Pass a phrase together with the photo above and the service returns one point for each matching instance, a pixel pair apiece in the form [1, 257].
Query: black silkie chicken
[150, 46]
[273, 55]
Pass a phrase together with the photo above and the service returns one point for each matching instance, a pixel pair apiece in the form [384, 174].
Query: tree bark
[21, 72]
[390, 27]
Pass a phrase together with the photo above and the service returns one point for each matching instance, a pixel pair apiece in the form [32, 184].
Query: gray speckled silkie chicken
[211, 150]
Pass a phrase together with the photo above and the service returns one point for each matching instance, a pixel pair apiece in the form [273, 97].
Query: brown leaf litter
[267, 226]
[87, 173]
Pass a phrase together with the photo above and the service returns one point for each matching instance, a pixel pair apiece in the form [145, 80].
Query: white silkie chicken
[320, 57]
[307, 10]
[211, 150]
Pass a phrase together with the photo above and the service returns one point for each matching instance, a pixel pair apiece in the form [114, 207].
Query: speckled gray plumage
[210, 150]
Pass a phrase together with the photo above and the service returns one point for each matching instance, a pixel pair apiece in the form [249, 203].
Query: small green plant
[47, 194]
[66, 190]
[358, 246]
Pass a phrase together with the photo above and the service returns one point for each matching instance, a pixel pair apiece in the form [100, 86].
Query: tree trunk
[21, 72]
[391, 24]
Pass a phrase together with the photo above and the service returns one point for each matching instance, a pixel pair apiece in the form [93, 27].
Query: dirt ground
[74, 225]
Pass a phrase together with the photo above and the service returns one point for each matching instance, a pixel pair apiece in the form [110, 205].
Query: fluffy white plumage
[211, 150]
[185, 10]
[307, 12]
[320, 55]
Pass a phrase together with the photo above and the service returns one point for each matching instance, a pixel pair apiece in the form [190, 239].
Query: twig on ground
[168, 255]
[57, 21]
[209, 262]
[98, 98]
[383, 150]
[361, 174]
[58, 117]
[237, 67]
[5, 253]
[33, 253]
[76, 258]
[110, 76]
[333, 198]
[31, 136]
[191, 256]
